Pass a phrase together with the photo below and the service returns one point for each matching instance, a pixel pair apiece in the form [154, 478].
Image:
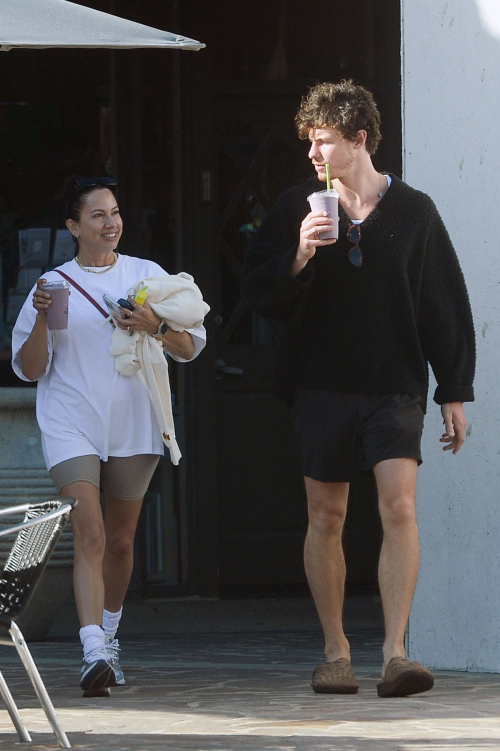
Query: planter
[24, 479]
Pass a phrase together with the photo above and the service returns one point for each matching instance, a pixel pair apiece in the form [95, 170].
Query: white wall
[451, 144]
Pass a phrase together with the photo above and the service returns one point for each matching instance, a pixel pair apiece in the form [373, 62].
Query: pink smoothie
[57, 313]
[327, 200]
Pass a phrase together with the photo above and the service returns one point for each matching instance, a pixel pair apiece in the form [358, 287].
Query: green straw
[328, 183]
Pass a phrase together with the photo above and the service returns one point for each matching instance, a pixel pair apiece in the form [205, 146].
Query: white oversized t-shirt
[84, 406]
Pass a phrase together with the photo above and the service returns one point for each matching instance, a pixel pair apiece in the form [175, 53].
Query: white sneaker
[112, 649]
[97, 674]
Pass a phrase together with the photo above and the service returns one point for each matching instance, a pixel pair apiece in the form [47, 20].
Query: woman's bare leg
[89, 542]
[120, 522]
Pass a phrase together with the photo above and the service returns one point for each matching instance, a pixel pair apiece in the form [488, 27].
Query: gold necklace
[91, 270]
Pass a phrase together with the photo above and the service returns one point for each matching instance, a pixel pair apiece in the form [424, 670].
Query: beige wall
[451, 136]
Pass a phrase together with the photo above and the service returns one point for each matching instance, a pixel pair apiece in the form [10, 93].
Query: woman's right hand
[41, 299]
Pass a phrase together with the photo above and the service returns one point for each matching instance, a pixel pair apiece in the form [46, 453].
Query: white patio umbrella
[38, 24]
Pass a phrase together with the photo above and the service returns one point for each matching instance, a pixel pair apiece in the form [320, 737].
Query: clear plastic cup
[57, 313]
[327, 200]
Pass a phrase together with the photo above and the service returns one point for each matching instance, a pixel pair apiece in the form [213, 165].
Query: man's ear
[361, 137]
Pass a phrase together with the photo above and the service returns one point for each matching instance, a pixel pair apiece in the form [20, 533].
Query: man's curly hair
[344, 106]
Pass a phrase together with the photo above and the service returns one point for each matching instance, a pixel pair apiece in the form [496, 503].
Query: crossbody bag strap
[84, 293]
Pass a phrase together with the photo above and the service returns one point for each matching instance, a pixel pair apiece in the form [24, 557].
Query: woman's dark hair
[71, 196]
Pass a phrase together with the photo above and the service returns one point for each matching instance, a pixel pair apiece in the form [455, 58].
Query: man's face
[328, 146]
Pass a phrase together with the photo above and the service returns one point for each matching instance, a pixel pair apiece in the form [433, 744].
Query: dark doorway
[243, 97]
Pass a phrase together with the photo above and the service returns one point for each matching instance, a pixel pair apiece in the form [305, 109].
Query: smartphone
[125, 303]
[113, 307]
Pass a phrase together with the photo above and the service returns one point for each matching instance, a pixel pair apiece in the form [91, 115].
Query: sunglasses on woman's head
[354, 236]
[91, 182]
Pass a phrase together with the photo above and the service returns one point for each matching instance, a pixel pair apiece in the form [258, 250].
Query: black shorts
[340, 434]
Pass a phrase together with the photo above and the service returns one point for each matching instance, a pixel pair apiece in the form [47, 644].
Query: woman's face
[100, 225]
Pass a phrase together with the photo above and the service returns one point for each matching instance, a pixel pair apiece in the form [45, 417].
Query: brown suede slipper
[335, 678]
[404, 678]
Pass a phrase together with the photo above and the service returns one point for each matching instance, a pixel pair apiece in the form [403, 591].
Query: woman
[98, 428]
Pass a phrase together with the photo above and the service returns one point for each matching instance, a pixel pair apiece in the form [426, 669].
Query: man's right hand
[313, 224]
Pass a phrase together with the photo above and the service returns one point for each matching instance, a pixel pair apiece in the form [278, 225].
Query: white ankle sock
[92, 638]
[110, 622]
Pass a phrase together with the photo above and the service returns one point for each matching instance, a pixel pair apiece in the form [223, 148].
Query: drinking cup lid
[63, 284]
[320, 193]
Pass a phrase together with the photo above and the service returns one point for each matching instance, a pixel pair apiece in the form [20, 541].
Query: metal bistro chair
[30, 553]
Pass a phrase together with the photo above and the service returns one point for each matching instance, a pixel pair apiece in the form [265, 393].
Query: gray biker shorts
[123, 477]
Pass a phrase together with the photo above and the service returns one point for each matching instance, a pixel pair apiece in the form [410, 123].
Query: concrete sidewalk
[234, 676]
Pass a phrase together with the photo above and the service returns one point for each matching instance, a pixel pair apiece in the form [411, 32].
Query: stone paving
[247, 690]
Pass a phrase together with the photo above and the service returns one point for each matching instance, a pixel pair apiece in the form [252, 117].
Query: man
[360, 329]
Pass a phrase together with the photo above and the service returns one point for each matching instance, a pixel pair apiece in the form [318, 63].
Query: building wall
[451, 136]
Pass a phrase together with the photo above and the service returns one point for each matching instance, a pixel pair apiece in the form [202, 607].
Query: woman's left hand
[141, 318]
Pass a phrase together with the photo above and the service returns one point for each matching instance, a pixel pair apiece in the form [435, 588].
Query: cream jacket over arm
[178, 301]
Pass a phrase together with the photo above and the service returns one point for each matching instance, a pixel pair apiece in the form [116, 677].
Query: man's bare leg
[400, 554]
[324, 560]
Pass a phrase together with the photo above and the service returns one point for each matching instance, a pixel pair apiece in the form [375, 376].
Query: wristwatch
[162, 330]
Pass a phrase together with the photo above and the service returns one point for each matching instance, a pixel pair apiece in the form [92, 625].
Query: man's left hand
[454, 425]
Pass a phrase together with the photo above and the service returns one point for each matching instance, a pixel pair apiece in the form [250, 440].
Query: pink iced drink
[327, 200]
[57, 313]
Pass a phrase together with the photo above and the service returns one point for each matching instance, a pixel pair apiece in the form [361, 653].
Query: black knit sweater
[372, 329]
